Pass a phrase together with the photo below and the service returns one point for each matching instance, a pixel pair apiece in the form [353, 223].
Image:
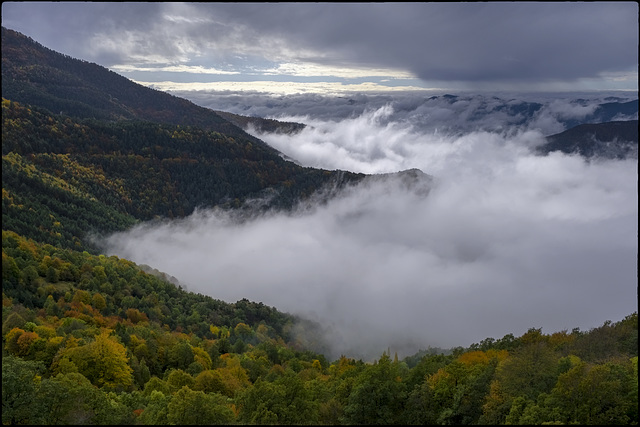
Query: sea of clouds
[492, 240]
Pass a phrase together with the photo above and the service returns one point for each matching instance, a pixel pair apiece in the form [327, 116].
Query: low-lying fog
[502, 241]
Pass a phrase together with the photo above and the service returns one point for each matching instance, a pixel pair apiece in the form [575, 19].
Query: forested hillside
[94, 340]
[64, 177]
[33, 74]
[112, 152]
[91, 339]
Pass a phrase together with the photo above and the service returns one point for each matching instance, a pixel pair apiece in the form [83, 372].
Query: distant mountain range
[614, 140]
[522, 112]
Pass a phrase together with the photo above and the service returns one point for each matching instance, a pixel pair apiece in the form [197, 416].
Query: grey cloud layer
[461, 41]
[411, 130]
[503, 242]
[438, 42]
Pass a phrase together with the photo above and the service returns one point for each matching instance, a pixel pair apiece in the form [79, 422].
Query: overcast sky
[329, 47]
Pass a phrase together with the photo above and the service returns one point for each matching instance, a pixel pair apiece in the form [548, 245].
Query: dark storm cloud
[438, 42]
[69, 27]
[463, 41]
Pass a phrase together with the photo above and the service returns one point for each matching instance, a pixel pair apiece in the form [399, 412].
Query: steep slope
[63, 179]
[33, 74]
[86, 151]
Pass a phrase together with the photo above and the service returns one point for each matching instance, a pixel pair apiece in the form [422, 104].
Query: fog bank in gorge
[499, 241]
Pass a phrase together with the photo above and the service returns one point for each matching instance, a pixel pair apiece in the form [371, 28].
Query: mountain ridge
[111, 160]
[613, 140]
[34, 74]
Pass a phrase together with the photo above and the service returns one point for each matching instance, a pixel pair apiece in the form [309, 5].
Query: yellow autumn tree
[11, 341]
[104, 361]
[202, 357]
[233, 375]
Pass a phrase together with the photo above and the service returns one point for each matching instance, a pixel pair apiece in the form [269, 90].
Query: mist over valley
[497, 231]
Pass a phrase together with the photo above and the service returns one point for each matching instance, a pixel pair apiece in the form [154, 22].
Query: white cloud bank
[504, 241]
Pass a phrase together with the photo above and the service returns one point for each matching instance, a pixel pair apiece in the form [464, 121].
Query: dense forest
[64, 177]
[90, 339]
[95, 339]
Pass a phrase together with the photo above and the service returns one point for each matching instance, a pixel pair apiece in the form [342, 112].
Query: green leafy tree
[466, 407]
[20, 384]
[283, 401]
[421, 407]
[69, 399]
[156, 384]
[378, 394]
[210, 381]
[595, 394]
[98, 302]
[189, 407]
[155, 412]
[181, 355]
[140, 370]
[177, 379]
[529, 371]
